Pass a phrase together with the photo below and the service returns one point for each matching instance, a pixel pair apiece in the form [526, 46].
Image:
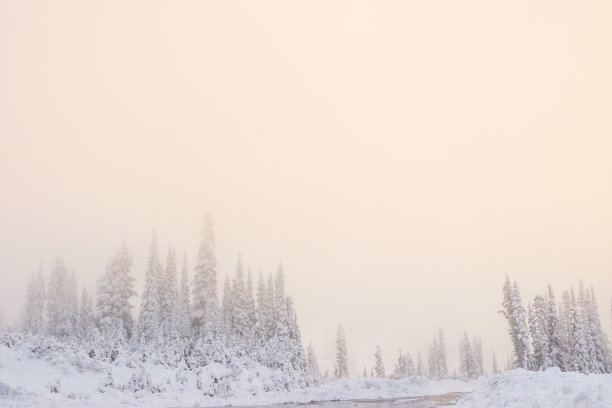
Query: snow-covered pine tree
[34, 320]
[251, 314]
[226, 308]
[313, 364]
[494, 369]
[86, 317]
[517, 327]
[538, 326]
[56, 299]
[600, 361]
[554, 331]
[148, 329]
[114, 290]
[432, 360]
[404, 367]
[205, 310]
[478, 357]
[379, 366]
[71, 309]
[467, 365]
[567, 326]
[441, 354]
[420, 371]
[341, 369]
[579, 332]
[239, 312]
[184, 326]
[169, 300]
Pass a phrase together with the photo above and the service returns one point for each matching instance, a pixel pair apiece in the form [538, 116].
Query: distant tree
[494, 369]
[313, 364]
[57, 300]
[184, 302]
[379, 367]
[341, 369]
[538, 326]
[205, 311]
[420, 371]
[517, 326]
[404, 367]
[467, 365]
[34, 321]
[169, 300]
[148, 329]
[478, 357]
[114, 290]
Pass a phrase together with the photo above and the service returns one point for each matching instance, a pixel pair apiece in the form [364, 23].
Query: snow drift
[543, 389]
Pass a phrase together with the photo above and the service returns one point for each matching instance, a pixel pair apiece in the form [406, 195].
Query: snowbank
[71, 380]
[549, 389]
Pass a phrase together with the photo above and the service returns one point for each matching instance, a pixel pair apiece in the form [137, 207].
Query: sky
[399, 158]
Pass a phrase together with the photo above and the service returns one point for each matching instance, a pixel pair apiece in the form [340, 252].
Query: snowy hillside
[545, 389]
[59, 377]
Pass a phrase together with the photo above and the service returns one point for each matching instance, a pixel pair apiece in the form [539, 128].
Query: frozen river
[406, 402]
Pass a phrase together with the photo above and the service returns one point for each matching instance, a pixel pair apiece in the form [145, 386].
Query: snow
[543, 389]
[64, 380]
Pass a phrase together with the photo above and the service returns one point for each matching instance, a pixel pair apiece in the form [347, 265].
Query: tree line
[179, 321]
[566, 334]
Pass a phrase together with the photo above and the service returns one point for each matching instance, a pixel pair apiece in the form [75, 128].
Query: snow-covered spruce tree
[379, 366]
[56, 299]
[579, 332]
[494, 369]
[226, 308]
[341, 369]
[239, 311]
[251, 314]
[597, 342]
[184, 307]
[554, 331]
[113, 314]
[420, 371]
[441, 354]
[467, 365]
[432, 360]
[478, 357]
[517, 327]
[313, 364]
[404, 367]
[71, 306]
[169, 301]
[34, 319]
[149, 331]
[567, 325]
[205, 310]
[86, 317]
[538, 326]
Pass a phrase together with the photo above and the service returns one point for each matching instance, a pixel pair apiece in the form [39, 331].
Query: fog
[398, 158]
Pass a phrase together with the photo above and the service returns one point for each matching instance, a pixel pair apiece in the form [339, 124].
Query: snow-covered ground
[75, 380]
[548, 389]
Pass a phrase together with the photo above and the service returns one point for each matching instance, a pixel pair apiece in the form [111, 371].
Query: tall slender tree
[341, 369]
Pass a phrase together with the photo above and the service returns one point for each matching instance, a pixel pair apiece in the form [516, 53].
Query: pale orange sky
[399, 157]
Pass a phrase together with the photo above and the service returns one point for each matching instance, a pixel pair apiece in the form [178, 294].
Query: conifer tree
[467, 365]
[169, 300]
[184, 302]
[149, 330]
[57, 299]
[379, 367]
[420, 371]
[205, 310]
[478, 357]
[341, 369]
[517, 326]
[34, 321]
[313, 364]
[441, 355]
[114, 290]
[494, 369]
